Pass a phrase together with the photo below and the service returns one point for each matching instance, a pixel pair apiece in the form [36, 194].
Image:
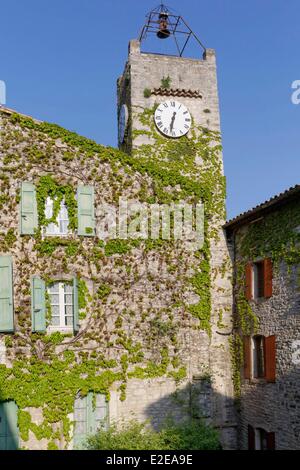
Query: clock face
[123, 120]
[173, 119]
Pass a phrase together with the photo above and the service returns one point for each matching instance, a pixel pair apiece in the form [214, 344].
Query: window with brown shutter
[251, 438]
[247, 357]
[270, 359]
[260, 439]
[268, 277]
[259, 279]
[249, 283]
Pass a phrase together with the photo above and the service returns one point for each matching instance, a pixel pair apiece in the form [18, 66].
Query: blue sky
[60, 61]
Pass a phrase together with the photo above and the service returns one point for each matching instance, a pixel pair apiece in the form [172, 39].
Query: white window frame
[62, 304]
[53, 229]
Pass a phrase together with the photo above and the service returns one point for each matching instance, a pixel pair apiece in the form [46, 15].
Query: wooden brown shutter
[247, 357]
[251, 438]
[270, 358]
[271, 441]
[268, 278]
[249, 282]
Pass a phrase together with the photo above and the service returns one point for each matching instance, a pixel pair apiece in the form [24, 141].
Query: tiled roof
[267, 206]
[176, 92]
[5, 110]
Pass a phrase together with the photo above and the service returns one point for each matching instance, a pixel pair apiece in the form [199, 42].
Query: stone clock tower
[193, 83]
[180, 96]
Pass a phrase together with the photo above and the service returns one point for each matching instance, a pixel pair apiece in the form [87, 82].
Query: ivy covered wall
[150, 79]
[146, 316]
[274, 407]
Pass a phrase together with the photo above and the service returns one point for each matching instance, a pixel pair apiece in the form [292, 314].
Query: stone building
[97, 326]
[266, 343]
[109, 308]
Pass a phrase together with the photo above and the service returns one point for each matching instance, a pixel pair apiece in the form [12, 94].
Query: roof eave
[264, 208]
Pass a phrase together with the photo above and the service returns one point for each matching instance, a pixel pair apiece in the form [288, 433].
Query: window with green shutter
[90, 414]
[86, 210]
[28, 212]
[6, 295]
[61, 299]
[63, 302]
[38, 305]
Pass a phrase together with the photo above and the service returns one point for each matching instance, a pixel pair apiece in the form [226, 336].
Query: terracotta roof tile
[273, 202]
[176, 92]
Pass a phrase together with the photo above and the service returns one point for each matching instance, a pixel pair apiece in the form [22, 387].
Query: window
[90, 414]
[258, 356]
[62, 221]
[61, 301]
[258, 280]
[261, 442]
[259, 439]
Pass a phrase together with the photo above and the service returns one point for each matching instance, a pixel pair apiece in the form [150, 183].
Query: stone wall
[138, 344]
[274, 407]
[144, 70]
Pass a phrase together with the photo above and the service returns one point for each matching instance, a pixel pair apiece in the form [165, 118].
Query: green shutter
[38, 305]
[9, 433]
[6, 295]
[28, 215]
[86, 210]
[75, 305]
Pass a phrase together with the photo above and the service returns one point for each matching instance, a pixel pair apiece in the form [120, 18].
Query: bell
[163, 32]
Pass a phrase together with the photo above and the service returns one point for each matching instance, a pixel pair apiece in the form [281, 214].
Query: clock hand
[172, 121]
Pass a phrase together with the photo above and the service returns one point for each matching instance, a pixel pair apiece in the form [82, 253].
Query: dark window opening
[258, 280]
[259, 439]
[258, 356]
